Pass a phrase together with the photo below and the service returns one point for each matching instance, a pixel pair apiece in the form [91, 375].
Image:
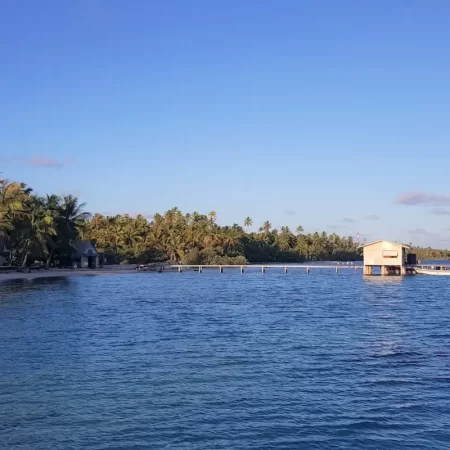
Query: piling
[285, 270]
[242, 269]
[220, 269]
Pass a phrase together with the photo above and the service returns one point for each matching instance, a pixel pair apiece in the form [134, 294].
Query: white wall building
[389, 256]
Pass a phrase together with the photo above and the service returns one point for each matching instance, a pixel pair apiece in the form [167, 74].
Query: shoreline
[55, 273]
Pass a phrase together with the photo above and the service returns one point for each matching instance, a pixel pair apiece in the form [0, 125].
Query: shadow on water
[22, 285]
[379, 280]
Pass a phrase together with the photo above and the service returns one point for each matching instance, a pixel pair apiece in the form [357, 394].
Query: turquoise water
[225, 361]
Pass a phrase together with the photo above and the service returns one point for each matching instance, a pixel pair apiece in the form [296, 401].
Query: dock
[390, 258]
[263, 267]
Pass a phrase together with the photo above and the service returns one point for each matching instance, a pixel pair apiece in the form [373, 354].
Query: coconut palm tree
[212, 216]
[13, 197]
[68, 220]
[39, 225]
[230, 239]
[248, 222]
[266, 227]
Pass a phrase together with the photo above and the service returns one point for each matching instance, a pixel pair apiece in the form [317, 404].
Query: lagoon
[224, 361]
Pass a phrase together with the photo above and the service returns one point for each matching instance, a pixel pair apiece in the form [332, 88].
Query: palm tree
[299, 230]
[212, 216]
[72, 211]
[248, 222]
[69, 219]
[133, 234]
[97, 221]
[13, 197]
[230, 239]
[266, 227]
[39, 225]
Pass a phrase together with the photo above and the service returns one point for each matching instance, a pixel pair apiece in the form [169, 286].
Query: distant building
[86, 256]
[389, 256]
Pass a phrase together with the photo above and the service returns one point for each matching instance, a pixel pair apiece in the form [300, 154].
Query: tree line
[48, 228]
[428, 253]
[197, 239]
[38, 228]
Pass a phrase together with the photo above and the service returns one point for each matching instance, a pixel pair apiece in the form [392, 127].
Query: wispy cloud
[440, 212]
[423, 199]
[372, 217]
[338, 227]
[37, 161]
[43, 161]
[420, 232]
[428, 238]
[347, 220]
[289, 212]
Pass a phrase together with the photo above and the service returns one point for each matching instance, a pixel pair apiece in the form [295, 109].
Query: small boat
[432, 270]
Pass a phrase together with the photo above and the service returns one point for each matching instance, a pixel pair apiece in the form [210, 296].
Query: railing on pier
[261, 267]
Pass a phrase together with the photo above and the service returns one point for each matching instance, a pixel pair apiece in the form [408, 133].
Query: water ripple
[224, 361]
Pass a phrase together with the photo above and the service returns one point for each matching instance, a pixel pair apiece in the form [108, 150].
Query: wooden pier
[263, 267]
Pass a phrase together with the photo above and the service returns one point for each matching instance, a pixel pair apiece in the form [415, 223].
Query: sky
[330, 115]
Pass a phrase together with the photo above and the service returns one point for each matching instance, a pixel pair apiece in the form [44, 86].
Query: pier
[390, 258]
[263, 267]
[384, 270]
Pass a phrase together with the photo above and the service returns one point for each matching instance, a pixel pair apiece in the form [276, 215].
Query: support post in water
[285, 269]
[337, 271]
[220, 269]
[242, 269]
[307, 270]
[179, 269]
[200, 269]
[263, 269]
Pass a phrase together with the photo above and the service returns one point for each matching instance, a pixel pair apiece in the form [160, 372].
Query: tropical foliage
[197, 239]
[34, 227]
[48, 229]
[428, 253]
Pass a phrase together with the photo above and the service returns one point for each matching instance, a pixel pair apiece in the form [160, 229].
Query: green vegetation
[428, 253]
[37, 228]
[48, 228]
[197, 239]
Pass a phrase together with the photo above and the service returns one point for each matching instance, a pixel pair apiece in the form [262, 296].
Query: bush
[209, 257]
[192, 257]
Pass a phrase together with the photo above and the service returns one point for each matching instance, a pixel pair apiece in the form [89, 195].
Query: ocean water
[225, 361]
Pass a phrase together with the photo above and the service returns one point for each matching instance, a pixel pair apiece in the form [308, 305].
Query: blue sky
[333, 115]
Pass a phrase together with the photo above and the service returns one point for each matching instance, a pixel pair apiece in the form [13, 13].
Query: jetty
[263, 267]
[388, 257]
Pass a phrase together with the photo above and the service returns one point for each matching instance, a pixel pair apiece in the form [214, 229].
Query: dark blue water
[225, 361]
